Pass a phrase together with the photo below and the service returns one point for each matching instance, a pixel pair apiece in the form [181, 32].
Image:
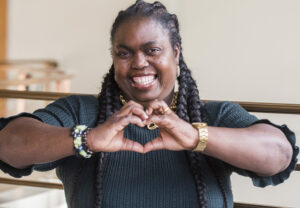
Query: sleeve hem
[283, 175]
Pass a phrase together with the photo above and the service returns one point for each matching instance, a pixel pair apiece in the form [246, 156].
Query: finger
[162, 121]
[133, 108]
[155, 144]
[129, 119]
[129, 145]
[158, 107]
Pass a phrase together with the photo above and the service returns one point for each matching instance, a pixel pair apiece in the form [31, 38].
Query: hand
[108, 137]
[175, 133]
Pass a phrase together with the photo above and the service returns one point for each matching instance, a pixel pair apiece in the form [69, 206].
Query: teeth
[143, 80]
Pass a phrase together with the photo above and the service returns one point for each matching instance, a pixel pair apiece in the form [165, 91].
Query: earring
[178, 70]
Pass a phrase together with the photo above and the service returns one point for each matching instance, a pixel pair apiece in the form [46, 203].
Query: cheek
[121, 68]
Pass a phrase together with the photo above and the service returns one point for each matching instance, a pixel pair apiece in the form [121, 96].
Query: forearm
[260, 148]
[27, 141]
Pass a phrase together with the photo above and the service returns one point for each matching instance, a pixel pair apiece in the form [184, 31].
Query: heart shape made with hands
[175, 133]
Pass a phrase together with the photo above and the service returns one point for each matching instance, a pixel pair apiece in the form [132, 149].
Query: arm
[26, 141]
[260, 148]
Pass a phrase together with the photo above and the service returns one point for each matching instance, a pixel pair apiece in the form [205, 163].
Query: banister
[33, 95]
[60, 186]
[31, 183]
[249, 106]
[246, 205]
[50, 63]
[48, 79]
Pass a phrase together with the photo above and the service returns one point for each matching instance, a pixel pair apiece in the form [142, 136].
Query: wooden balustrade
[25, 74]
[249, 106]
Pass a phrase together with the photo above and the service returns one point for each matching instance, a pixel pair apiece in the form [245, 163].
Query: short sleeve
[6, 168]
[232, 115]
[64, 112]
[70, 111]
[261, 181]
[228, 114]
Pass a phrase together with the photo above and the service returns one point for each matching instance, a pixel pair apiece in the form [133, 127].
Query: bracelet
[79, 133]
[203, 136]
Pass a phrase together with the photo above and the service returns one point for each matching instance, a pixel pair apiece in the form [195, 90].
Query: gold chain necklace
[152, 126]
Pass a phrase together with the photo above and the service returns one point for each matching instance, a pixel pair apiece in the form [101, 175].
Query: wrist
[202, 136]
[90, 140]
[79, 134]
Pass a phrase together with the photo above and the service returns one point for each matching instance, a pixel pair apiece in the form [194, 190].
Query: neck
[171, 100]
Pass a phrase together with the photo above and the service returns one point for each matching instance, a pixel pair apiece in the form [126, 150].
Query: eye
[123, 54]
[152, 51]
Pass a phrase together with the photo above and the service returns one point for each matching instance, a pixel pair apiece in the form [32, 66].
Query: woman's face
[144, 61]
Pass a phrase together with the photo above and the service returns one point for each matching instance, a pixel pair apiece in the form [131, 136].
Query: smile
[143, 81]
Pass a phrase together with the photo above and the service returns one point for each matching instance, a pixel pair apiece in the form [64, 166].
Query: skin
[141, 47]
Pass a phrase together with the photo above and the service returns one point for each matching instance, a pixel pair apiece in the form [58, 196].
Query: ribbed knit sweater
[156, 179]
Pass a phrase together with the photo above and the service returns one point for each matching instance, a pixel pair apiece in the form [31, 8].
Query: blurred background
[238, 50]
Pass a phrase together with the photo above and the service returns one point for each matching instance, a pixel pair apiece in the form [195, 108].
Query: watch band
[203, 136]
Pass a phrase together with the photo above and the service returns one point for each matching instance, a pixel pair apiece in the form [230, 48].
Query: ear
[177, 53]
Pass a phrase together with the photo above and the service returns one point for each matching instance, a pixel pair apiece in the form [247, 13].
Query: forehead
[140, 30]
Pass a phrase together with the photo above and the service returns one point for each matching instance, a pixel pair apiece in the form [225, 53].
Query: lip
[141, 86]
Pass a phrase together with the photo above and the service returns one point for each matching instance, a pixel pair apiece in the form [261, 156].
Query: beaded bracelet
[79, 133]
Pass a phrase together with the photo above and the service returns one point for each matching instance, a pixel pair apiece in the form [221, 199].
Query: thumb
[155, 144]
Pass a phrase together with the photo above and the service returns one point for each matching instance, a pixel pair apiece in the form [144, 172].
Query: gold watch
[203, 136]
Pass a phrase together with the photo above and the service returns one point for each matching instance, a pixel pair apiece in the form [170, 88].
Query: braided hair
[188, 103]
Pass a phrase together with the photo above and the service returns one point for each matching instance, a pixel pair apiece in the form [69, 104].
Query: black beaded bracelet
[79, 133]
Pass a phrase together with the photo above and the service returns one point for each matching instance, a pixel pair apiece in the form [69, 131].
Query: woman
[137, 112]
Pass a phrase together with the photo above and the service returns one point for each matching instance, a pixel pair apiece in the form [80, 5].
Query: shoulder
[71, 110]
[76, 100]
[228, 114]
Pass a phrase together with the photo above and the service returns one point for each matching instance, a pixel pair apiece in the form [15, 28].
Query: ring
[165, 110]
[151, 126]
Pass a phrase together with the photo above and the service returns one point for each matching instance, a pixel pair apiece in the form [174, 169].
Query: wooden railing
[48, 63]
[29, 74]
[249, 106]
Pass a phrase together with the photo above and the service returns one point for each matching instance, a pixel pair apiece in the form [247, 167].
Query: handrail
[48, 79]
[60, 186]
[31, 183]
[246, 205]
[249, 106]
[50, 63]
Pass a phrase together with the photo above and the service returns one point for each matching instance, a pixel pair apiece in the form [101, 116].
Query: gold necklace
[152, 126]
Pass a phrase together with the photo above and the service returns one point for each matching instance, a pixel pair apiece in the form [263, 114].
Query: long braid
[212, 164]
[195, 115]
[107, 106]
[185, 101]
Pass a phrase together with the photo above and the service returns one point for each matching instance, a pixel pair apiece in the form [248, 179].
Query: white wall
[246, 50]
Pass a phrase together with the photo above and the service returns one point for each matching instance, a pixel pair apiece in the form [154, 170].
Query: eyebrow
[130, 49]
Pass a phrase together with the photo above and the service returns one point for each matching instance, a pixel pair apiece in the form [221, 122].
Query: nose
[139, 61]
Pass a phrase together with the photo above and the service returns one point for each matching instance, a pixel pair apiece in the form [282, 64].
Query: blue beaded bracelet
[79, 133]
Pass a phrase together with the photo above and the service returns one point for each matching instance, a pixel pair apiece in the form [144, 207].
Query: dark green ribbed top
[156, 179]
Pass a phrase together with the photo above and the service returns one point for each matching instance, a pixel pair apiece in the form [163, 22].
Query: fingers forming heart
[171, 137]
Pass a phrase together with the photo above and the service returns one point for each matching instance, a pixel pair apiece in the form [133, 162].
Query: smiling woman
[107, 157]
[144, 60]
